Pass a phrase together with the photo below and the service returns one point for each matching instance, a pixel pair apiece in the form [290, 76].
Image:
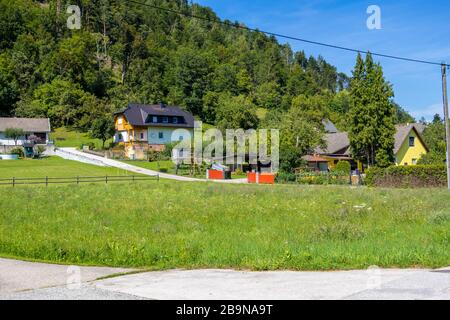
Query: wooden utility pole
[446, 115]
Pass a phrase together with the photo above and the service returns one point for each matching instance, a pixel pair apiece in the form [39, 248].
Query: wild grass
[167, 224]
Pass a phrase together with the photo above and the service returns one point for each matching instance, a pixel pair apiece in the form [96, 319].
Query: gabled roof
[137, 115]
[339, 143]
[26, 124]
[403, 132]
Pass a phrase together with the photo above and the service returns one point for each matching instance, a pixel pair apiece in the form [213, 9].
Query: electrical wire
[323, 44]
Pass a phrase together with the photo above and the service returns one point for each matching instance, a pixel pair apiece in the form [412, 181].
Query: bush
[286, 177]
[423, 176]
[343, 166]
[323, 178]
[18, 151]
[152, 155]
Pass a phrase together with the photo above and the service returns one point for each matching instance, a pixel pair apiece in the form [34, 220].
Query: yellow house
[140, 128]
[409, 147]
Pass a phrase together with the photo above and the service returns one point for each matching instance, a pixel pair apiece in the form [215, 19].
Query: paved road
[77, 155]
[20, 279]
[49, 282]
[235, 285]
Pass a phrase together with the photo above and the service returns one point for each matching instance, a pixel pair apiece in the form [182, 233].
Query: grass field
[65, 137]
[170, 224]
[54, 167]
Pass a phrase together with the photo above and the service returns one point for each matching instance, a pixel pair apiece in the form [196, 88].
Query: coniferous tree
[372, 114]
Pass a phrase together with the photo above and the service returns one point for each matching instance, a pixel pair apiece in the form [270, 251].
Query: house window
[180, 138]
[119, 120]
[120, 136]
[155, 119]
[142, 136]
[412, 141]
[161, 135]
[414, 162]
[165, 120]
[175, 120]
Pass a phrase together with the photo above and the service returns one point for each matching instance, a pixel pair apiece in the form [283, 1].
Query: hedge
[422, 176]
[316, 178]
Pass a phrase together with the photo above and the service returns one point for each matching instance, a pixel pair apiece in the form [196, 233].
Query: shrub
[163, 170]
[323, 178]
[343, 166]
[286, 177]
[152, 155]
[18, 151]
[422, 176]
[40, 150]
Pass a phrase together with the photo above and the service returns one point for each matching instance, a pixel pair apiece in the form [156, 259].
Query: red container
[267, 178]
[251, 177]
[216, 175]
[263, 178]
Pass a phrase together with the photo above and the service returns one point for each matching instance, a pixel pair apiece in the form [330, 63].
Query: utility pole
[446, 115]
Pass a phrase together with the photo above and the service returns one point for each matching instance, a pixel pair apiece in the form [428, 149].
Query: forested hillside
[126, 52]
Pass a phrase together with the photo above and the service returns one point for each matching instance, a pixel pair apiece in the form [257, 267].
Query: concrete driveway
[25, 280]
[76, 155]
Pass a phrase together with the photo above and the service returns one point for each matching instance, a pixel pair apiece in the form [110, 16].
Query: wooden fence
[75, 180]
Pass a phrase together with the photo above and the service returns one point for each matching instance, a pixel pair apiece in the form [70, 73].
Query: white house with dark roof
[37, 128]
[140, 128]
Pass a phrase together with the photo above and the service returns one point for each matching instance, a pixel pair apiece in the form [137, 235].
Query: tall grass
[198, 225]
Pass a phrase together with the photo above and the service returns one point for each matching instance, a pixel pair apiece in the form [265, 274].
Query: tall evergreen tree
[372, 114]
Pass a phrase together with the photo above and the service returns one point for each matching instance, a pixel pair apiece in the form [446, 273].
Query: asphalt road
[25, 280]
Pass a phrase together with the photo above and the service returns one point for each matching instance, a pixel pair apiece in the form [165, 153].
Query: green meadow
[67, 137]
[169, 224]
[54, 167]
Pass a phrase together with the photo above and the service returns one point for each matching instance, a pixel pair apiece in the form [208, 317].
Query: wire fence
[75, 180]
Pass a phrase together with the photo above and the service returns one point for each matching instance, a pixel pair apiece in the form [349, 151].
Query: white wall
[10, 142]
[153, 135]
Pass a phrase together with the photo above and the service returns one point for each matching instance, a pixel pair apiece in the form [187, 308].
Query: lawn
[54, 167]
[65, 137]
[169, 224]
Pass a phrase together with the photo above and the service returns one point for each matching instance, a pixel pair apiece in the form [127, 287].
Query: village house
[140, 128]
[37, 130]
[409, 147]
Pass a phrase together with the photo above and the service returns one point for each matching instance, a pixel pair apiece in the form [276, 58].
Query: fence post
[78, 180]
[14, 181]
[158, 176]
[46, 181]
[106, 179]
[133, 177]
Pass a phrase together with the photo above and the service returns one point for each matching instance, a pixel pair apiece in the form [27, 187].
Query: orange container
[267, 178]
[251, 177]
[216, 175]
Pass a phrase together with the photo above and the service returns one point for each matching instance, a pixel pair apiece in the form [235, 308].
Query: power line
[323, 44]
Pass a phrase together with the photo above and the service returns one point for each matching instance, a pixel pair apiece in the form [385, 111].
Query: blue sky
[413, 28]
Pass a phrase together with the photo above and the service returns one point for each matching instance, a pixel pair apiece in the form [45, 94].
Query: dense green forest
[125, 52]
